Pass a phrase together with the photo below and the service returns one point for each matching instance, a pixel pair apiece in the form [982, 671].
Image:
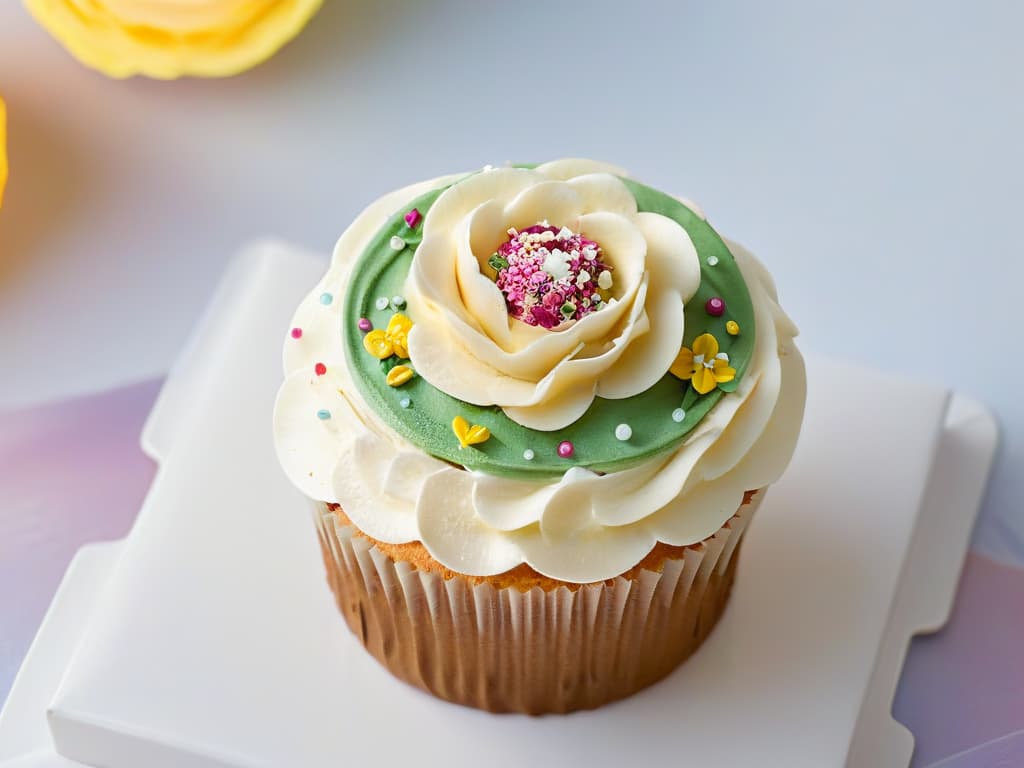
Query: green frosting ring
[425, 418]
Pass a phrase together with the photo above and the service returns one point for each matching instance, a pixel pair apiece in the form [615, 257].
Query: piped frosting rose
[468, 340]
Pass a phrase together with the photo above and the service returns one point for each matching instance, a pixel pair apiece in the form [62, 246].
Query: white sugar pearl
[623, 432]
[528, 454]
[398, 302]
[381, 303]
[678, 415]
[397, 243]
[712, 261]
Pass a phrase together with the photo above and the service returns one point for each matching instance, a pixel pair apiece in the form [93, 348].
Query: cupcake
[535, 409]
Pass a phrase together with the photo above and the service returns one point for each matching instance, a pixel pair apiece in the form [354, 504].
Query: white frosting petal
[546, 200]
[603, 192]
[593, 556]
[480, 296]
[572, 167]
[582, 526]
[455, 535]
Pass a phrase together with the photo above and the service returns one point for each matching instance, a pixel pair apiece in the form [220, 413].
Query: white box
[217, 643]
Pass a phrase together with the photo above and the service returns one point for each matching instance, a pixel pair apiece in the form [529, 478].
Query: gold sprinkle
[732, 328]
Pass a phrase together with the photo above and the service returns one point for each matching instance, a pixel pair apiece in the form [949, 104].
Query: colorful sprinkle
[398, 302]
[365, 324]
[396, 243]
[413, 217]
[405, 402]
[732, 328]
[715, 306]
[469, 434]
[326, 299]
[712, 261]
[678, 415]
[381, 303]
[323, 414]
[528, 454]
[566, 449]
[296, 333]
[550, 275]
[623, 432]
[398, 375]
[320, 369]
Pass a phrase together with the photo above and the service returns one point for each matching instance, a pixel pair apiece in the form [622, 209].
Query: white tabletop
[870, 154]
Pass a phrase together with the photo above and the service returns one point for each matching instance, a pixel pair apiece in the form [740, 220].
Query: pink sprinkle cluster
[550, 275]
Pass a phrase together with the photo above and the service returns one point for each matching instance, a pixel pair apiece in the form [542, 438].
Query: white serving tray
[215, 641]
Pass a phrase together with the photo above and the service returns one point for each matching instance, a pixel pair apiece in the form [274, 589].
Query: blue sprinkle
[326, 299]
[323, 414]
[405, 402]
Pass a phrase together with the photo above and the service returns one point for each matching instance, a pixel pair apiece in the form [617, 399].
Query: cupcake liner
[535, 651]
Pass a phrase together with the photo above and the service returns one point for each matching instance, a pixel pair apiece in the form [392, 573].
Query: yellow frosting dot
[732, 328]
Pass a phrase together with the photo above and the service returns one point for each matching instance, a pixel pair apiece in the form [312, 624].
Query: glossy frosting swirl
[580, 527]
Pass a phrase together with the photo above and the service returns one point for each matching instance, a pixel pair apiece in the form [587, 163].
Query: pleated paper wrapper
[535, 651]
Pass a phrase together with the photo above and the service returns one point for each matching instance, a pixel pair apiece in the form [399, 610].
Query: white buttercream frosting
[582, 526]
[466, 344]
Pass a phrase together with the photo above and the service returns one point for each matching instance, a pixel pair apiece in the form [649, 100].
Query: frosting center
[550, 276]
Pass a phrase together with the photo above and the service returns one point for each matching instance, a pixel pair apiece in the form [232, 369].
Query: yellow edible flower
[3, 149]
[469, 435]
[704, 366]
[172, 38]
[398, 375]
[391, 341]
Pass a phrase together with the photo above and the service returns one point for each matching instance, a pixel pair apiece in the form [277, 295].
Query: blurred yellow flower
[3, 149]
[169, 38]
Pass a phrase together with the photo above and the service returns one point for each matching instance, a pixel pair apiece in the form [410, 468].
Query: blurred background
[870, 153]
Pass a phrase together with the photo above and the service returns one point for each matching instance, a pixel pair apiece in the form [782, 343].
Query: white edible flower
[557, 264]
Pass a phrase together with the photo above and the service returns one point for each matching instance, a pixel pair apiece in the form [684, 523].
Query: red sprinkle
[320, 369]
[566, 449]
[413, 217]
[296, 333]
